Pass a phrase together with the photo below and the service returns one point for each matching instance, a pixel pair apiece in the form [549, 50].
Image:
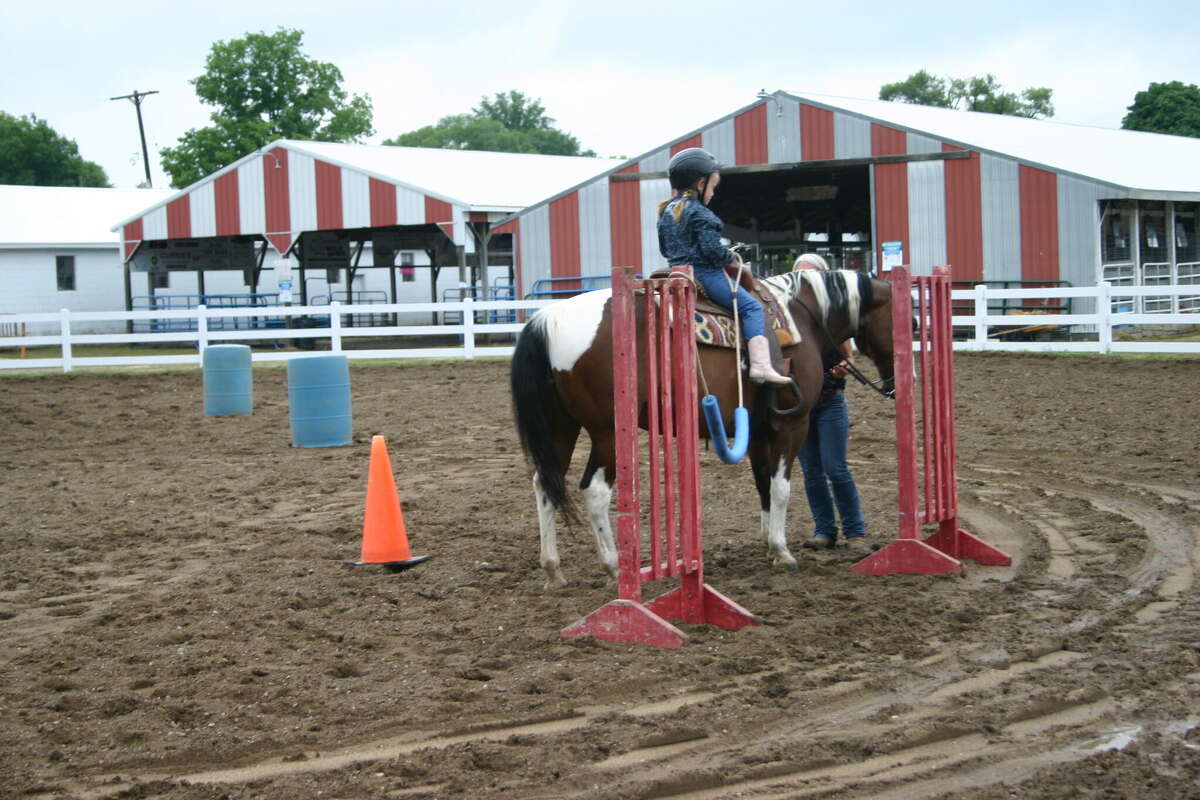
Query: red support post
[938, 503]
[672, 414]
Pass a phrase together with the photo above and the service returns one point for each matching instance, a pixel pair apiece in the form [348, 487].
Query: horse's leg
[771, 463]
[597, 495]
[565, 437]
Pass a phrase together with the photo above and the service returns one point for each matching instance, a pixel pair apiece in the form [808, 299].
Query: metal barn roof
[289, 187]
[475, 179]
[481, 180]
[1142, 162]
[61, 216]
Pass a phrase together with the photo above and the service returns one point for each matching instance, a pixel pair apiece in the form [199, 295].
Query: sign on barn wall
[384, 246]
[893, 255]
[192, 254]
[324, 250]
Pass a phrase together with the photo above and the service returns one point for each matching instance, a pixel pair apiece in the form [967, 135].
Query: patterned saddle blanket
[714, 323]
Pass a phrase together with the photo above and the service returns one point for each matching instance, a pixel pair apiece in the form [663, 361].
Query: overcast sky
[623, 77]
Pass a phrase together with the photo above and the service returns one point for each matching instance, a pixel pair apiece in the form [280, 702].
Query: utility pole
[136, 98]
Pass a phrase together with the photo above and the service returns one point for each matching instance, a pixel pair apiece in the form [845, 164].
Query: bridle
[885, 386]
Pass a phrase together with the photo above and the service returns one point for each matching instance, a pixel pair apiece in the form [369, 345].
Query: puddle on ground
[1117, 738]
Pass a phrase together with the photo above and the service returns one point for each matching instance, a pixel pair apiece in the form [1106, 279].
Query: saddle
[714, 322]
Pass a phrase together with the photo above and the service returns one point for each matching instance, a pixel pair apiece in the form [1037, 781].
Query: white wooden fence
[201, 333]
[1099, 324]
[986, 329]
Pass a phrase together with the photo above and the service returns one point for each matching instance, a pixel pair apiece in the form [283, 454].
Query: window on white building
[160, 279]
[64, 269]
[407, 273]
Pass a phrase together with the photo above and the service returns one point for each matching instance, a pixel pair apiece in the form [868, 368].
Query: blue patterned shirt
[695, 239]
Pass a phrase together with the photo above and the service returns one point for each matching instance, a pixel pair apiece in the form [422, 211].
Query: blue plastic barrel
[319, 401]
[228, 383]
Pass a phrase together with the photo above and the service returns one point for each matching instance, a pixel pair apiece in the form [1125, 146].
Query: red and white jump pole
[667, 346]
[935, 498]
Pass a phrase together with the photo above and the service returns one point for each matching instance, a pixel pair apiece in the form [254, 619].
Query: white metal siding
[922, 144]
[595, 243]
[783, 131]
[302, 191]
[653, 193]
[251, 197]
[356, 199]
[656, 161]
[1079, 235]
[154, 224]
[410, 207]
[851, 136]
[203, 210]
[31, 286]
[718, 140]
[1001, 210]
[535, 246]
[926, 215]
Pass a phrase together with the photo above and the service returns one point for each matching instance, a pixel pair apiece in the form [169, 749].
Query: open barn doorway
[782, 213]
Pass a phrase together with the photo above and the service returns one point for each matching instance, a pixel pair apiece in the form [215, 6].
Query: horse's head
[846, 304]
[873, 338]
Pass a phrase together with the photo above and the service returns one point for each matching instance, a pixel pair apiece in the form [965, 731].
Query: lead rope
[858, 374]
[737, 327]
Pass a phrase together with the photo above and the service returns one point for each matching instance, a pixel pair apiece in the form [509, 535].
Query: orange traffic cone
[385, 541]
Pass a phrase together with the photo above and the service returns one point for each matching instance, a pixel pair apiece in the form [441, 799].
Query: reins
[878, 386]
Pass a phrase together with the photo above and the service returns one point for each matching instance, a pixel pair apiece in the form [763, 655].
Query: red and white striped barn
[998, 198]
[440, 201]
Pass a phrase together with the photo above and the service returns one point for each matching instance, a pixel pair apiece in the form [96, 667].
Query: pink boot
[761, 370]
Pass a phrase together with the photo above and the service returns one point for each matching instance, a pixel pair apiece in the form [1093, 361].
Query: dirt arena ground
[176, 621]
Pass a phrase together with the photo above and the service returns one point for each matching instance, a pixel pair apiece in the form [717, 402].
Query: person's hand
[840, 369]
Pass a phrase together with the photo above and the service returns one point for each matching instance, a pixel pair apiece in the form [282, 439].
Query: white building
[57, 250]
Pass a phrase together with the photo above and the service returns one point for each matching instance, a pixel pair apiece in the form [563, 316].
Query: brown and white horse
[562, 381]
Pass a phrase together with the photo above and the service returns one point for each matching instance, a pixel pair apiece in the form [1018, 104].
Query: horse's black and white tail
[536, 407]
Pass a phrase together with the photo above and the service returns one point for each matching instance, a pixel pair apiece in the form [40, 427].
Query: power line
[136, 98]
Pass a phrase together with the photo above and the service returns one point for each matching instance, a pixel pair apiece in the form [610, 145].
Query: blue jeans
[823, 460]
[750, 311]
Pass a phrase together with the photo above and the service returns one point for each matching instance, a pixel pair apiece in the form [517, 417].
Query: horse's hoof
[554, 580]
[786, 561]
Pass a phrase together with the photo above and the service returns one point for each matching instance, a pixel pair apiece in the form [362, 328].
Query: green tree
[1166, 108]
[510, 122]
[980, 93]
[34, 154]
[515, 111]
[921, 88]
[264, 88]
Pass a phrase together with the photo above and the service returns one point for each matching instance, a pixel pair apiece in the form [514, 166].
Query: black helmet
[688, 166]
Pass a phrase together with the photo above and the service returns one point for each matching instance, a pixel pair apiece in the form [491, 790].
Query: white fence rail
[1100, 323]
[985, 328]
[194, 327]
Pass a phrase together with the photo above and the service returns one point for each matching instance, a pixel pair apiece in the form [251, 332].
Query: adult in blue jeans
[828, 482]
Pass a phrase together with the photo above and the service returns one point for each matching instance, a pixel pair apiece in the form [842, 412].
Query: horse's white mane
[845, 285]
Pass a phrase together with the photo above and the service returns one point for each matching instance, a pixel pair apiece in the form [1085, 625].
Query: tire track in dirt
[922, 769]
[409, 742]
[682, 761]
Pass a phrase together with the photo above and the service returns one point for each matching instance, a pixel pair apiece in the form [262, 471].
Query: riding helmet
[688, 166]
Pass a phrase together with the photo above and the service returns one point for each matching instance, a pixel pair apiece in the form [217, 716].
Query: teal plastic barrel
[228, 382]
[319, 401]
